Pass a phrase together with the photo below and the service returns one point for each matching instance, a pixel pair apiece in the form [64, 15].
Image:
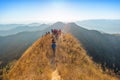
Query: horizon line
[50, 22]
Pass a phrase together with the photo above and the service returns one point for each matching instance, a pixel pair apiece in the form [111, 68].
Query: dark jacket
[53, 45]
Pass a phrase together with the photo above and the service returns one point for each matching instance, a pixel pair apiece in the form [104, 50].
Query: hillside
[71, 62]
[103, 48]
[12, 47]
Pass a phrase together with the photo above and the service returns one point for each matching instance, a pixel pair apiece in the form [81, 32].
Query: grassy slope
[72, 62]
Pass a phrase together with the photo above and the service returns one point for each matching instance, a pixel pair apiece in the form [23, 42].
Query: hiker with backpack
[53, 46]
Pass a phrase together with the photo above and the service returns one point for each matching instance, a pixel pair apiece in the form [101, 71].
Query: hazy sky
[27, 11]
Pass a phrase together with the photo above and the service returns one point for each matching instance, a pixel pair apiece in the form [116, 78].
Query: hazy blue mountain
[19, 28]
[33, 24]
[107, 26]
[57, 25]
[9, 26]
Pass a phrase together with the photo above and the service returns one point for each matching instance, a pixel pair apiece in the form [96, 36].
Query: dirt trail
[55, 73]
[56, 76]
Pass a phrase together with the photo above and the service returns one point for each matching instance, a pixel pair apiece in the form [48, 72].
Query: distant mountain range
[13, 29]
[106, 26]
[103, 48]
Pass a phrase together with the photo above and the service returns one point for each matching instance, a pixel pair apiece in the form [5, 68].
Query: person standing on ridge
[53, 46]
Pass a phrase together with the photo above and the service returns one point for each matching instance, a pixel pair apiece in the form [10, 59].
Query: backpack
[53, 45]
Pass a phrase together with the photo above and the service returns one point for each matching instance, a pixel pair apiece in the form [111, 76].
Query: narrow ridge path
[55, 73]
[56, 76]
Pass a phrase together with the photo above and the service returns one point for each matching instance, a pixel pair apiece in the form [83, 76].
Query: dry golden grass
[34, 65]
[72, 62]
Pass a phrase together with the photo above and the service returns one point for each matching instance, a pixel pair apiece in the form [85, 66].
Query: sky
[29, 11]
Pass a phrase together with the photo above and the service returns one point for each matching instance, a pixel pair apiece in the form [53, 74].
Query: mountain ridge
[72, 63]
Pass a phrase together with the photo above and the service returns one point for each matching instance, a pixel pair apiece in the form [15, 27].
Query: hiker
[52, 31]
[53, 46]
[56, 33]
[59, 32]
